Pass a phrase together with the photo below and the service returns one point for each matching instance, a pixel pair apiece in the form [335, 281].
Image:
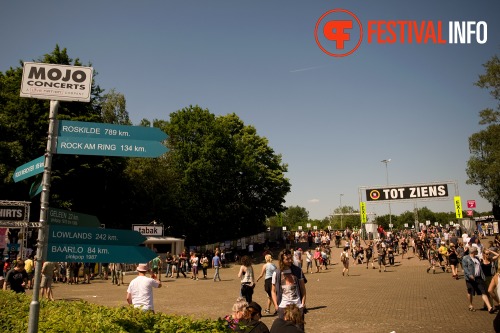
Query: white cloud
[313, 201]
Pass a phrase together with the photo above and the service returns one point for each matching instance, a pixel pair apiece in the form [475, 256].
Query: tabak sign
[411, 192]
[56, 82]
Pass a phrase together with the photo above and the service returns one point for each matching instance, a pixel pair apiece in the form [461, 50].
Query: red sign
[469, 213]
[471, 203]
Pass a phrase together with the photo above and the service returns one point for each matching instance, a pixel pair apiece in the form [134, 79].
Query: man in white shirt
[140, 289]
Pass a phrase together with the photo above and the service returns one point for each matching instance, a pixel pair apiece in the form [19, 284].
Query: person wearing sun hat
[140, 289]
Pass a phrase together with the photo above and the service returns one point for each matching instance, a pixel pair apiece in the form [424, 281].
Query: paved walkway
[403, 299]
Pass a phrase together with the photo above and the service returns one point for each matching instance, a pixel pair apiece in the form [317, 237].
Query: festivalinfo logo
[339, 32]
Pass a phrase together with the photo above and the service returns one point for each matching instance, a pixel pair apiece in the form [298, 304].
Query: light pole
[341, 213]
[386, 161]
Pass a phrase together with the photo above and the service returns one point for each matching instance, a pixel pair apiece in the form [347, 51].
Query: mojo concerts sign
[56, 82]
[410, 192]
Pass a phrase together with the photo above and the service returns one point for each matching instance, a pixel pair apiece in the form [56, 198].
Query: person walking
[474, 279]
[453, 259]
[288, 285]
[194, 260]
[216, 264]
[344, 258]
[47, 278]
[140, 289]
[247, 278]
[204, 265]
[267, 270]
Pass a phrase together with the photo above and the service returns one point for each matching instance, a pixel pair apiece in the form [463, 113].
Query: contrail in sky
[304, 69]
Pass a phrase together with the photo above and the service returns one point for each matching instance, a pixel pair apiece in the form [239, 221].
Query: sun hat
[142, 268]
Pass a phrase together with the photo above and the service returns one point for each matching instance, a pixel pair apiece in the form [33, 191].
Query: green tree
[483, 167]
[230, 180]
[114, 108]
[294, 216]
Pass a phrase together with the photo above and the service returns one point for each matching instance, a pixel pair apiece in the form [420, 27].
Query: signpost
[74, 83]
[109, 131]
[29, 169]
[109, 147]
[77, 244]
[99, 253]
[68, 218]
[63, 234]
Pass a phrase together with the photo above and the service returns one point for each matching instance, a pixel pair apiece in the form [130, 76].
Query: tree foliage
[230, 180]
[483, 167]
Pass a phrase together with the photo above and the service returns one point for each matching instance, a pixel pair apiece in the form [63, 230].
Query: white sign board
[148, 230]
[56, 82]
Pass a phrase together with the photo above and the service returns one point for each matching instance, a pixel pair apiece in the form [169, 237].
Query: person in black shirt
[17, 278]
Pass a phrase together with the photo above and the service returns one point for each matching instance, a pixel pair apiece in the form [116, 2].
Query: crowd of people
[445, 250]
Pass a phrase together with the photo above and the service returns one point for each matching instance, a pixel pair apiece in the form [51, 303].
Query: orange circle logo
[374, 194]
[338, 32]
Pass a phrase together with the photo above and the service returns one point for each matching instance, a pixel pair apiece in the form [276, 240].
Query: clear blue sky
[332, 119]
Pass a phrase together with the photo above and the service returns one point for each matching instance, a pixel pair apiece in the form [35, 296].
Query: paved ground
[403, 299]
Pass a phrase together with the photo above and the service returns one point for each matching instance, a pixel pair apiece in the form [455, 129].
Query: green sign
[65, 217]
[99, 253]
[36, 188]
[109, 147]
[76, 235]
[29, 169]
[109, 131]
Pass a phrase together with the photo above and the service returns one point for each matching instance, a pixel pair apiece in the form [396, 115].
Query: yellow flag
[458, 207]
[362, 211]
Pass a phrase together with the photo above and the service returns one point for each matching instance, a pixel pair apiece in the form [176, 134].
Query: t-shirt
[155, 262]
[289, 293]
[216, 261]
[141, 291]
[15, 279]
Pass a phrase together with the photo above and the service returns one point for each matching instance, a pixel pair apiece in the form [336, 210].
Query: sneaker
[266, 311]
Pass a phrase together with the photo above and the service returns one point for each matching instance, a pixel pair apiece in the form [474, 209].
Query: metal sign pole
[41, 253]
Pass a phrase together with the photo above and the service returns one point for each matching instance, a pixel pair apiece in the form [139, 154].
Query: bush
[81, 317]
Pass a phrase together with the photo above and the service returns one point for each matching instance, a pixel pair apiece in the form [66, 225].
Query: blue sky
[332, 119]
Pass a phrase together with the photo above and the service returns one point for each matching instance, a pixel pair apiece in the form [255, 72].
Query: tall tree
[230, 180]
[483, 167]
[114, 108]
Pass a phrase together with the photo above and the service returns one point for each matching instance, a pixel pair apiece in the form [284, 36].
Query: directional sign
[109, 147]
[56, 82]
[99, 253]
[109, 131]
[65, 217]
[471, 203]
[29, 169]
[77, 235]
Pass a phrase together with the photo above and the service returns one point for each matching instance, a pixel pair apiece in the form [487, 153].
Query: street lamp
[341, 213]
[386, 161]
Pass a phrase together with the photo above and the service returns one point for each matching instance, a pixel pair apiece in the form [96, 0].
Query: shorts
[46, 282]
[476, 287]
[268, 285]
